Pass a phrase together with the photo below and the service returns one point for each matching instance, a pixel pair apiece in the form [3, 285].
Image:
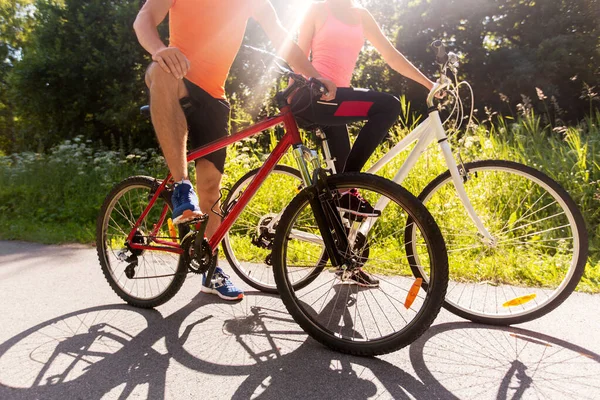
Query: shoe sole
[207, 290]
[187, 216]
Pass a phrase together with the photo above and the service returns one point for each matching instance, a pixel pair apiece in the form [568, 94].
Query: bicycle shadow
[86, 354]
[119, 351]
[281, 361]
[488, 362]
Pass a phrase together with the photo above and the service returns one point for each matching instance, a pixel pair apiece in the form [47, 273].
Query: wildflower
[526, 107]
[540, 94]
[588, 92]
[560, 129]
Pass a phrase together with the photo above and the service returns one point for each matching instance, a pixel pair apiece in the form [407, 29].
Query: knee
[157, 78]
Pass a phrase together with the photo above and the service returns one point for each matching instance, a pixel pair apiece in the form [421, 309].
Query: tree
[512, 46]
[81, 73]
[15, 22]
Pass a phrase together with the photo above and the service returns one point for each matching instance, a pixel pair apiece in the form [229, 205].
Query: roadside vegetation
[55, 197]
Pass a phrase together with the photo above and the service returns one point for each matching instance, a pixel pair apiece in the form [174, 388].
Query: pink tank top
[335, 48]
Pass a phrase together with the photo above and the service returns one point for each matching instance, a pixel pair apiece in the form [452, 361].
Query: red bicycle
[318, 246]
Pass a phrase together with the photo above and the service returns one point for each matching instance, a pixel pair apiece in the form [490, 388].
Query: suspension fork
[321, 199]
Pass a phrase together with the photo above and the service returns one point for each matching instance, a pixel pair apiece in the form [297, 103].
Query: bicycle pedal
[198, 220]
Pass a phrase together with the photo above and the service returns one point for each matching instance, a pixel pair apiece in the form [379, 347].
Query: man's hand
[331, 89]
[172, 61]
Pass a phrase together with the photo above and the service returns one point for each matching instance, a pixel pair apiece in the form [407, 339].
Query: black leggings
[381, 111]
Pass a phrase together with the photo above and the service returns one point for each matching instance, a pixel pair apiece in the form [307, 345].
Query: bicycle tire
[111, 248]
[252, 268]
[378, 243]
[496, 188]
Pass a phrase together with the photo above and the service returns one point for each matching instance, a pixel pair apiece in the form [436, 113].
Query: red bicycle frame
[291, 138]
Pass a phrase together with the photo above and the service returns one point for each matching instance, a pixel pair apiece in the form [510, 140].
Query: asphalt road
[65, 335]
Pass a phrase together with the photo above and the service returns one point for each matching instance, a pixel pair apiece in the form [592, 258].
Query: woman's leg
[380, 110]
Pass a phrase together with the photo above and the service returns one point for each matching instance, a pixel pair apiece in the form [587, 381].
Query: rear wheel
[539, 249]
[142, 278]
[337, 307]
[248, 244]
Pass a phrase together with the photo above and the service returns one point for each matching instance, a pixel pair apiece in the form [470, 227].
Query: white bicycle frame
[423, 135]
[427, 131]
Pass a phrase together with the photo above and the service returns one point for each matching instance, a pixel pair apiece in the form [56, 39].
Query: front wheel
[539, 247]
[373, 304]
[143, 278]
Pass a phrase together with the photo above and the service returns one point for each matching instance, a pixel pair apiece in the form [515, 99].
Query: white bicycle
[517, 242]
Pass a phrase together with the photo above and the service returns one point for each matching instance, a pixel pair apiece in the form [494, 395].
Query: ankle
[184, 181]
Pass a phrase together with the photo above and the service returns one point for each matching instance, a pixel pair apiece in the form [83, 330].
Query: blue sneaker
[185, 203]
[222, 286]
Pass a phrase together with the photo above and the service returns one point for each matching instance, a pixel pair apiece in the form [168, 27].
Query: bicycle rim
[353, 317]
[539, 250]
[248, 244]
[143, 278]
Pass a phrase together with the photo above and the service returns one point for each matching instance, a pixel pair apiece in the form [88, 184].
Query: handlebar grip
[317, 87]
[440, 51]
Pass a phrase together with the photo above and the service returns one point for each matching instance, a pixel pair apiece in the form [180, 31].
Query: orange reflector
[172, 230]
[412, 293]
[520, 300]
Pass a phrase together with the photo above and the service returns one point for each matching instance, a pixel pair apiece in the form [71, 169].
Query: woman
[334, 31]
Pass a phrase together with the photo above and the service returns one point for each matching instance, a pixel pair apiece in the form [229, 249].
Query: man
[186, 82]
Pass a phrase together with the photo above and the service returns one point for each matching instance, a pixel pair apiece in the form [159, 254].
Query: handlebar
[316, 87]
[445, 61]
[450, 86]
[440, 52]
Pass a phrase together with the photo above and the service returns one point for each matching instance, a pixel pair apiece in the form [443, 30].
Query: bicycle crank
[197, 253]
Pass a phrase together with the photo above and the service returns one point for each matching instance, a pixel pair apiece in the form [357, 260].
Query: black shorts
[207, 119]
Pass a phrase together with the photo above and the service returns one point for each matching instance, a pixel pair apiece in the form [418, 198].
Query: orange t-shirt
[209, 33]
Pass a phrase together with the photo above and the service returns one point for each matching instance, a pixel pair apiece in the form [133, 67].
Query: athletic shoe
[358, 277]
[185, 203]
[222, 286]
[353, 203]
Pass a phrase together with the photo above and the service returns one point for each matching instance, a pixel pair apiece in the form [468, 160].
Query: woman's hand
[331, 89]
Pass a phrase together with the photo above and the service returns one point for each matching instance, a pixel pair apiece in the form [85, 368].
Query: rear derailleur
[265, 234]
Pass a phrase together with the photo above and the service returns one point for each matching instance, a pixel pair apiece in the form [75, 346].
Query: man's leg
[209, 123]
[208, 183]
[208, 179]
[168, 118]
[171, 128]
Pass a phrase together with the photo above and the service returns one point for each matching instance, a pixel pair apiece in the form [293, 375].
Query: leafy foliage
[510, 46]
[74, 67]
[81, 73]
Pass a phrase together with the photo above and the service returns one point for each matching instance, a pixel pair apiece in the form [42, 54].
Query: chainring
[198, 262]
